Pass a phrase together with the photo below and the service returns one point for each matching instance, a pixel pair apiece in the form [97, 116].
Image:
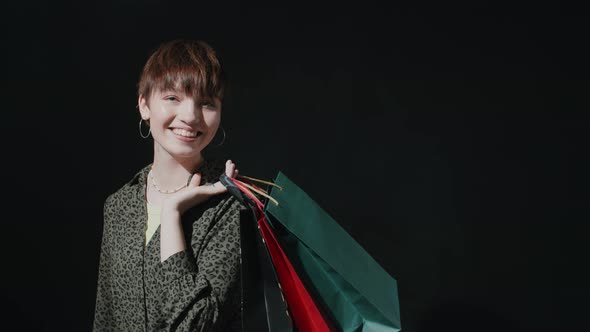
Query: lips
[186, 133]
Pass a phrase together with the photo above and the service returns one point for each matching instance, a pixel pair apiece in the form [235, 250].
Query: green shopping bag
[352, 288]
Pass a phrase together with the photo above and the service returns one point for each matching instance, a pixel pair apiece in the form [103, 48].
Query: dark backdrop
[448, 139]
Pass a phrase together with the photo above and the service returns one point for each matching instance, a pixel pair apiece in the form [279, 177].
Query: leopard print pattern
[197, 289]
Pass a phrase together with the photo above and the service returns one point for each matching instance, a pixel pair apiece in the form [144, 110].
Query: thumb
[195, 180]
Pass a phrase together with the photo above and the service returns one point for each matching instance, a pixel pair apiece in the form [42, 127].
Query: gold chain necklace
[163, 191]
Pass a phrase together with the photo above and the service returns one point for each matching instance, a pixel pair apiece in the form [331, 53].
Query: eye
[208, 104]
[171, 98]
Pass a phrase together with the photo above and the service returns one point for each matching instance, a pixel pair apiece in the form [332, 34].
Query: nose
[191, 113]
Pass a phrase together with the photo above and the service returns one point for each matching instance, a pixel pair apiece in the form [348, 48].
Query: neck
[172, 172]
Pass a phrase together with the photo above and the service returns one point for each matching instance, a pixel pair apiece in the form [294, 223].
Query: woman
[170, 252]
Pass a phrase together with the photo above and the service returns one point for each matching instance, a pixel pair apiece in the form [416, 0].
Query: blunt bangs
[189, 67]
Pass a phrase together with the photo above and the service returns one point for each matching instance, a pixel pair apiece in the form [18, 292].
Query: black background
[449, 139]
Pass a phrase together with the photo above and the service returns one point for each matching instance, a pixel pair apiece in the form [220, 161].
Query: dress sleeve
[103, 310]
[197, 289]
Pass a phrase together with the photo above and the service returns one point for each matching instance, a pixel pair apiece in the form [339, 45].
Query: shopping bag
[305, 313]
[263, 305]
[358, 294]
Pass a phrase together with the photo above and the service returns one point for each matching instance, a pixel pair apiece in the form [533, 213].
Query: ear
[144, 109]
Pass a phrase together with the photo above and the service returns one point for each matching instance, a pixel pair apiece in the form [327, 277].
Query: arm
[196, 289]
[171, 233]
[103, 310]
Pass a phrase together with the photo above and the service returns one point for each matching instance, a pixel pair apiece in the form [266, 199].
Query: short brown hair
[189, 66]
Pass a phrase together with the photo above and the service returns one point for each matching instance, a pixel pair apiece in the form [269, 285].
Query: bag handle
[244, 190]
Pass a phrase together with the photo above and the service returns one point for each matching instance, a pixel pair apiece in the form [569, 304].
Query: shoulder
[127, 191]
[227, 210]
[212, 170]
[229, 205]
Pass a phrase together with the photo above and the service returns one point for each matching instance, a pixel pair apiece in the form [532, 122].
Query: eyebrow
[211, 99]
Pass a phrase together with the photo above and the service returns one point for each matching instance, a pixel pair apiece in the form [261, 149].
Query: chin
[183, 151]
[187, 154]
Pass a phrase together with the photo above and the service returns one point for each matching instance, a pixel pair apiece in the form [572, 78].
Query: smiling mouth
[186, 133]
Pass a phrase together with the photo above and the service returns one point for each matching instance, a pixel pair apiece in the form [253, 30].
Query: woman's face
[181, 125]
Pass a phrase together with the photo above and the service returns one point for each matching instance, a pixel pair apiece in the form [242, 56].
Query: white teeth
[184, 133]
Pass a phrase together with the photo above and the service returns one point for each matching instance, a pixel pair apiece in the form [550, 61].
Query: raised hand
[195, 193]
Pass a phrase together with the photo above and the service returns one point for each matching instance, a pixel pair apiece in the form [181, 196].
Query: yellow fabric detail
[153, 221]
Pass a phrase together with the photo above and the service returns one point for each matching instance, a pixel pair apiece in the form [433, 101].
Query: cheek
[160, 118]
[212, 119]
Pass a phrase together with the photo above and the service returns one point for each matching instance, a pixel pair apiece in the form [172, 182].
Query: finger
[219, 187]
[229, 168]
[195, 181]
[213, 189]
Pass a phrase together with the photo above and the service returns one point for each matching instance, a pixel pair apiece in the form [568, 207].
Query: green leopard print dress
[197, 289]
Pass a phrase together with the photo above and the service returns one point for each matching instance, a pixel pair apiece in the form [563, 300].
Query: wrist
[170, 209]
